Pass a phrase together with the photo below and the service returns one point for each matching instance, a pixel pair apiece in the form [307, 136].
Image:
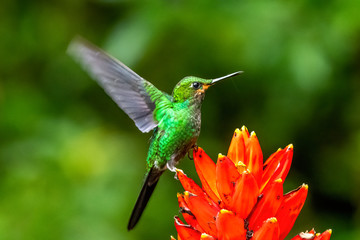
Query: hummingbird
[175, 119]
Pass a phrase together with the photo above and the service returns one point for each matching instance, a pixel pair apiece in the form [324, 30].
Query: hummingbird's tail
[147, 189]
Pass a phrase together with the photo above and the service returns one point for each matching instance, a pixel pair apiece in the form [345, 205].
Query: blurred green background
[72, 163]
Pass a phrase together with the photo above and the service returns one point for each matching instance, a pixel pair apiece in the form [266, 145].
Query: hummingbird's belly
[177, 139]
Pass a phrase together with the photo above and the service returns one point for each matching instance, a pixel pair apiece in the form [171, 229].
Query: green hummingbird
[175, 119]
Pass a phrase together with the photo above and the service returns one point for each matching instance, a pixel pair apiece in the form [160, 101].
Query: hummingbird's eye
[196, 85]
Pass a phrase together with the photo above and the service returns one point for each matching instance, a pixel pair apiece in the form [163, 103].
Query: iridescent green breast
[176, 133]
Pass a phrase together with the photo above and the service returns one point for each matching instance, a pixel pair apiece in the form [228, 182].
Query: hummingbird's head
[190, 88]
[195, 87]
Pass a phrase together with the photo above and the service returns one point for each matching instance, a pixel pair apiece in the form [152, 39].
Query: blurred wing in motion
[133, 94]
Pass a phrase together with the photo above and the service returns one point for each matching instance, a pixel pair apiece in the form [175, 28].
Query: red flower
[312, 235]
[241, 197]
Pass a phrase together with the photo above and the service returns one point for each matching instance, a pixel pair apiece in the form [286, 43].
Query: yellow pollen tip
[273, 220]
[279, 180]
[220, 155]
[240, 164]
[205, 236]
[330, 231]
[252, 134]
[290, 146]
[237, 132]
[186, 193]
[305, 186]
[243, 128]
[223, 211]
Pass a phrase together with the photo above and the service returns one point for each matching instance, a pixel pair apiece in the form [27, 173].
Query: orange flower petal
[245, 195]
[189, 184]
[297, 237]
[204, 212]
[254, 157]
[290, 209]
[271, 164]
[187, 214]
[236, 150]
[282, 167]
[324, 236]
[230, 226]
[312, 231]
[273, 157]
[206, 170]
[226, 177]
[285, 164]
[267, 205]
[268, 231]
[186, 232]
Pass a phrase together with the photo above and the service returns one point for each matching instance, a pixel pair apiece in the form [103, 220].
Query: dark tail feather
[146, 191]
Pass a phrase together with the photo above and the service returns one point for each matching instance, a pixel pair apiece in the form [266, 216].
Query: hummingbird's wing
[133, 94]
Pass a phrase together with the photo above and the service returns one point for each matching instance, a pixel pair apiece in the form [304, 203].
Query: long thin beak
[227, 76]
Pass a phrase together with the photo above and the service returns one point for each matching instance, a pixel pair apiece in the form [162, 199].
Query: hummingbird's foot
[171, 167]
[189, 155]
[194, 148]
[176, 176]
